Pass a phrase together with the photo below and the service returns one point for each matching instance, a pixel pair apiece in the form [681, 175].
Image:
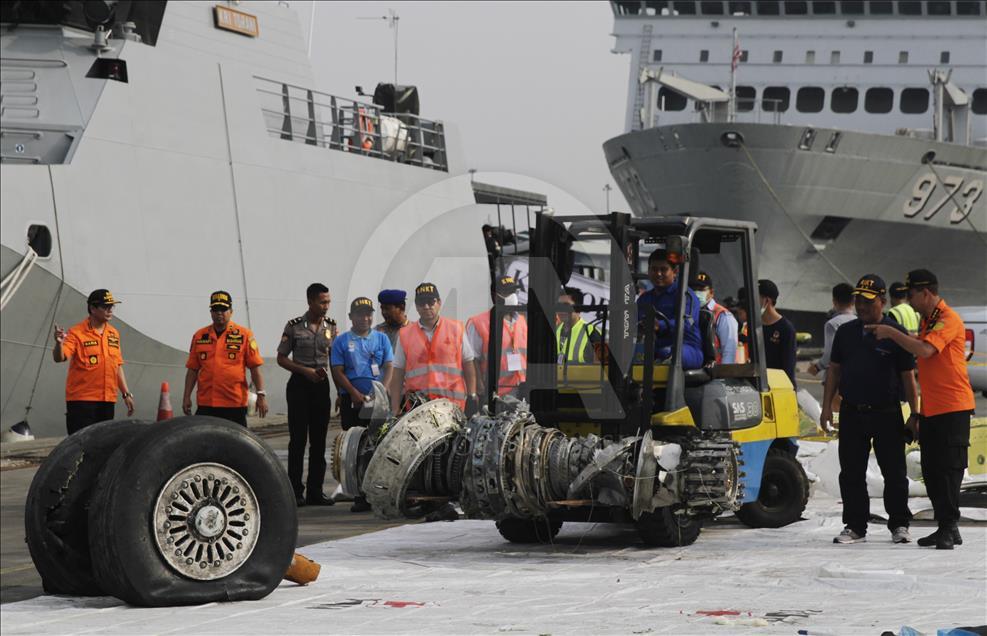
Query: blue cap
[391, 297]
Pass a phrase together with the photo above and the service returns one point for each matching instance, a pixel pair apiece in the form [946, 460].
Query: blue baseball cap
[392, 297]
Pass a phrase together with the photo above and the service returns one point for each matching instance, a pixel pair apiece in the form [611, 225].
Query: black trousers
[309, 408]
[80, 414]
[349, 414]
[944, 440]
[858, 431]
[235, 414]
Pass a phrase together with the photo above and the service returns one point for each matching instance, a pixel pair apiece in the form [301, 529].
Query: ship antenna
[392, 18]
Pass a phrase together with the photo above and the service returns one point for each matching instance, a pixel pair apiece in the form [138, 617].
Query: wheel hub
[206, 521]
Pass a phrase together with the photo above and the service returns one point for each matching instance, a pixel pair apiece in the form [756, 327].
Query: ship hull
[866, 184]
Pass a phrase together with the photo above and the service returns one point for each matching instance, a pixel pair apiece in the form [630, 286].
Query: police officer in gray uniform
[308, 340]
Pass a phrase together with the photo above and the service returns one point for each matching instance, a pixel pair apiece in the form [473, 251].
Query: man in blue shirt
[359, 356]
[663, 275]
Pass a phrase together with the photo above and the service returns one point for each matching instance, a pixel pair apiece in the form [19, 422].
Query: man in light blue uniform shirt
[663, 275]
[359, 356]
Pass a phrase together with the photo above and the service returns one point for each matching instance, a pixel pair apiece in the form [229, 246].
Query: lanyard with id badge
[514, 361]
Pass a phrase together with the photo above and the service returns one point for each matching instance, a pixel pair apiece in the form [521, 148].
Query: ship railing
[758, 111]
[302, 115]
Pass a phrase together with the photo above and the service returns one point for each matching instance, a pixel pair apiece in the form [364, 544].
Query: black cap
[920, 278]
[362, 305]
[507, 285]
[870, 286]
[220, 300]
[767, 289]
[701, 280]
[101, 297]
[426, 291]
[898, 290]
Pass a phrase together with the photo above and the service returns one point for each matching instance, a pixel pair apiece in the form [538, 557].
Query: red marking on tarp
[718, 613]
[401, 604]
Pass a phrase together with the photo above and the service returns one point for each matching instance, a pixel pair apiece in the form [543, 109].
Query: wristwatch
[128, 394]
[261, 392]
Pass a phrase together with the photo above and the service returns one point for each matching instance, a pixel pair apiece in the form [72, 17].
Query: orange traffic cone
[164, 406]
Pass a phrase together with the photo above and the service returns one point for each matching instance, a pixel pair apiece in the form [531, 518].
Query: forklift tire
[783, 495]
[541, 530]
[196, 510]
[665, 529]
[55, 515]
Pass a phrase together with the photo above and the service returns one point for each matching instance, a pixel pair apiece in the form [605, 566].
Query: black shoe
[319, 500]
[955, 532]
[299, 501]
[929, 540]
[944, 541]
[360, 505]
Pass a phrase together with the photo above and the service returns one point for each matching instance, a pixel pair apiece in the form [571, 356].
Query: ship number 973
[963, 196]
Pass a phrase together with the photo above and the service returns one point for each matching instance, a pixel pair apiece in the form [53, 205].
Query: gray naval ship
[855, 135]
[165, 150]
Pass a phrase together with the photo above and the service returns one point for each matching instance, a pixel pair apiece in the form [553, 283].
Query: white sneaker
[900, 535]
[849, 536]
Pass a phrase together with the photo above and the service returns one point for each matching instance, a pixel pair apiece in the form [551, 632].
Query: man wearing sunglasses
[947, 401]
[217, 359]
[92, 348]
[433, 357]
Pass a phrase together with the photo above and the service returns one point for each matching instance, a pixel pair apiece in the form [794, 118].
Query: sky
[531, 86]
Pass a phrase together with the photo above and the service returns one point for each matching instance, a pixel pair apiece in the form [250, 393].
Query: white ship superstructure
[210, 161]
[857, 139]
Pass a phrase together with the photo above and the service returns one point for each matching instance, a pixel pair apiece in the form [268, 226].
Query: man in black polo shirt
[870, 374]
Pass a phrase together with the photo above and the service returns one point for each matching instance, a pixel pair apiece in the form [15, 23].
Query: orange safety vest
[435, 367]
[719, 310]
[513, 340]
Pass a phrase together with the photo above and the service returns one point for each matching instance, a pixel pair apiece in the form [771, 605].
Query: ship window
[979, 105]
[712, 8]
[823, 8]
[868, 57]
[944, 57]
[909, 7]
[830, 228]
[938, 8]
[852, 8]
[914, 101]
[740, 8]
[881, 8]
[796, 8]
[834, 57]
[768, 8]
[777, 57]
[685, 8]
[968, 7]
[810, 57]
[39, 240]
[879, 100]
[746, 98]
[656, 55]
[704, 55]
[669, 100]
[775, 99]
[810, 99]
[844, 99]
[902, 57]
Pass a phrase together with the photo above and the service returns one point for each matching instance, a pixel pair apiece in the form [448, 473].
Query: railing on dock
[303, 115]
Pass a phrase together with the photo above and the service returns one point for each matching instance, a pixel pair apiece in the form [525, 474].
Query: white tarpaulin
[461, 577]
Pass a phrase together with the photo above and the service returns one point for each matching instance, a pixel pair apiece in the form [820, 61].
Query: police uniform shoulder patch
[284, 337]
[295, 321]
[253, 344]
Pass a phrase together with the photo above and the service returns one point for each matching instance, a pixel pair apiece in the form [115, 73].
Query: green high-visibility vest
[906, 317]
[575, 345]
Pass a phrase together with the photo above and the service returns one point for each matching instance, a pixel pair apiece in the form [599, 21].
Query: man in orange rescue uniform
[433, 357]
[947, 401]
[92, 348]
[216, 361]
[513, 343]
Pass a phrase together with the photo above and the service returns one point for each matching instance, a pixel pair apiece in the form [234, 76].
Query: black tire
[541, 530]
[665, 529]
[123, 542]
[56, 519]
[783, 495]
